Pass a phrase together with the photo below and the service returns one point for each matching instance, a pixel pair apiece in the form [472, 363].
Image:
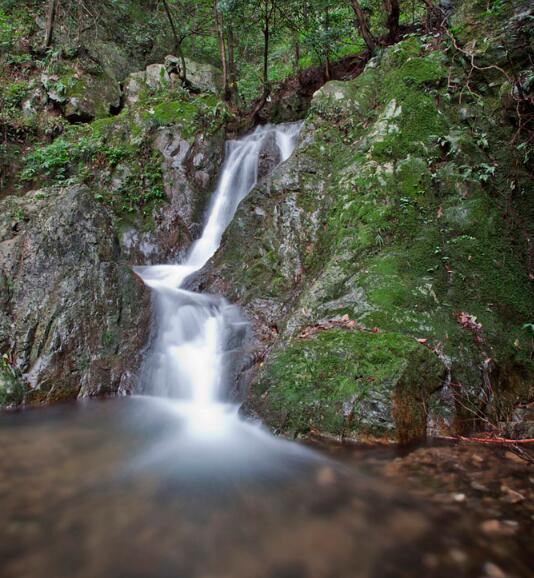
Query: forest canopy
[257, 44]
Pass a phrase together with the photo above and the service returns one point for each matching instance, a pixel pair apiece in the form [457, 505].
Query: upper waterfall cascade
[194, 334]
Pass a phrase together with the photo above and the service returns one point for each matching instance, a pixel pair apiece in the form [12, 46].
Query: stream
[174, 483]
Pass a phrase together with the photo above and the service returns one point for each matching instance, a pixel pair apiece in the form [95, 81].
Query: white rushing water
[196, 335]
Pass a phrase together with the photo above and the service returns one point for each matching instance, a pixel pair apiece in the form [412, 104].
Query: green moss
[330, 381]
[413, 176]
[109, 338]
[204, 112]
[415, 72]
[12, 389]
[410, 128]
[398, 223]
[173, 112]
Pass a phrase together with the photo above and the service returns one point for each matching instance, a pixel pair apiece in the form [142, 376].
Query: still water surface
[134, 488]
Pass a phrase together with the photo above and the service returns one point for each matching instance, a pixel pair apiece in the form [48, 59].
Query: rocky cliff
[390, 274]
[387, 266]
[101, 171]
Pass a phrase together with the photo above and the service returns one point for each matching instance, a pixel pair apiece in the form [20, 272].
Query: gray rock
[78, 315]
[189, 172]
[156, 76]
[203, 76]
[133, 86]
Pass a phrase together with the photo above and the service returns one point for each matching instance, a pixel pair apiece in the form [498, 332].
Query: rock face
[189, 167]
[77, 316]
[376, 265]
[189, 170]
[73, 316]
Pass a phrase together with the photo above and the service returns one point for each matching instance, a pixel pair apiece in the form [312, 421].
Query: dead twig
[498, 440]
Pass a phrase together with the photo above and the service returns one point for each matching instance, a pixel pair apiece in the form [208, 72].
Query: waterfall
[191, 350]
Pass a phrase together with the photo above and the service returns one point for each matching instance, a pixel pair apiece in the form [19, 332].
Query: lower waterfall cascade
[188, 358]
[174, 482]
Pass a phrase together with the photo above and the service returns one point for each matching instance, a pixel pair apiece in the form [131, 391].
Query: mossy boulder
[83, 91]
[93, 96]
[350, 383]
[390, 212]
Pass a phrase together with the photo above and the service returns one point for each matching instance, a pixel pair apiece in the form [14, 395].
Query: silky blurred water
[196, 337]
[176, 484]
[140, 487]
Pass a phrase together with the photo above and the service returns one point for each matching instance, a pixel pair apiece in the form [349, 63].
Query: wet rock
[458, 556]
[351, 225]
[269, 157]
[12, 389]
[326, 476]
[496, 527]
[189, 168]
[78, 315]
[479, 487]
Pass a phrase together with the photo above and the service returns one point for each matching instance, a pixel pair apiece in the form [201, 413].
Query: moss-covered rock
[12, 388]
[123, 190]
[350, 383]
[390, 212]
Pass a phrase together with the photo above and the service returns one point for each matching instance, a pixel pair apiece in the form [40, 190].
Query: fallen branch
[504, 441]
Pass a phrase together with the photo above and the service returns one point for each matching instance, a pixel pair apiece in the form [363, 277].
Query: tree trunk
[297, 55]
[266, 38]
[327, 51]
[50, 19]
[177, 42]
[222, 51]
[392, 22]
[232, 69]
[183, 76]
[434, 14]
[363, 25]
